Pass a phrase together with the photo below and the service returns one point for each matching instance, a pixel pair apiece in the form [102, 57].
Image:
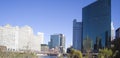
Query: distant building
[96, 18]
[50, 44]
[44, 48]
[77, 34]
[62, 43]
[57, 41]
[3, 48]
[118, 33]
[19, 38]
[41, 37]
[112, 31]
[9, 37]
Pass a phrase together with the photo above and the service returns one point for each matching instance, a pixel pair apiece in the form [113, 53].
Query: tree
[74, 53]
[77, 54]
[105, 53]
[116, 48]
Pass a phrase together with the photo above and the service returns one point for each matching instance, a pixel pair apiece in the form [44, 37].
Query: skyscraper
[118, 33]
[96, 19]
[112, 31]
[62, 43]
[77, 34]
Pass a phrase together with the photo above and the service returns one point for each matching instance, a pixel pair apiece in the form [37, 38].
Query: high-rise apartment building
[77, 34]
[20, 38]
[96, 19]
[9, 37]
[112, 32]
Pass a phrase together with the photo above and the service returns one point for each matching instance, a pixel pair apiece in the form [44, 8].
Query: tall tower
[62, 43]
[96, 19]
[112, 31]
[77, 34]
[117, 33]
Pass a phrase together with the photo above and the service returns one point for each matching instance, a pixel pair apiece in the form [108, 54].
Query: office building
[77, 34]
[118, 33]
[50, 44]
[62, 43]
[96, 19]
[112, 32]
[44, 48]
[57, 41]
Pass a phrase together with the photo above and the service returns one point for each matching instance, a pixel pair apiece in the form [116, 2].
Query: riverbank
[17, 55]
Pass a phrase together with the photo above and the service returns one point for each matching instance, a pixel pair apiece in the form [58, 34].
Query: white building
[112, 31]
[36, 42]
[16, 38]
[41, 36]
[9, 37]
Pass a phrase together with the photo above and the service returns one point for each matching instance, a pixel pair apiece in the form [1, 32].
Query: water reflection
[48, 57]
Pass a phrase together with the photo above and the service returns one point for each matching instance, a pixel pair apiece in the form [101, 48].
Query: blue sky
[49, 16]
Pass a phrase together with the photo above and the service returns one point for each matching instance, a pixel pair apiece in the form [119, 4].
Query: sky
[49, 16]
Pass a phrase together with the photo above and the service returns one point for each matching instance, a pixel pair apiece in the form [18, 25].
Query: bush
[74, 54]
[16, 55]
[105, 53]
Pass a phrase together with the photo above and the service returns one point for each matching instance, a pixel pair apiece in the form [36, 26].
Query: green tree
[74, 53]
[105, 53]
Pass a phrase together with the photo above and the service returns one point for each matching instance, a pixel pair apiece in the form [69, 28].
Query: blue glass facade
[55, 39]
[118, 33]
[96, 19]
[77, 34]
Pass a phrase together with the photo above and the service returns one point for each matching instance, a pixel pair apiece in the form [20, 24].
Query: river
[49, 57]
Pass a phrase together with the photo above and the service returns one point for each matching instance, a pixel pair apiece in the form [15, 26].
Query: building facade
[9, 37]
[112, 32]
[118, 33]
[96, 19]
[44, 48]
[19, 38]
[62, 43]
[77, 34]
[87, 44]
[57, 41]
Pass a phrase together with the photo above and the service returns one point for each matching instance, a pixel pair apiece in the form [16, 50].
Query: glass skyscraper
[118, 33]
[77, 34]
[96, 19]
[57, 41]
